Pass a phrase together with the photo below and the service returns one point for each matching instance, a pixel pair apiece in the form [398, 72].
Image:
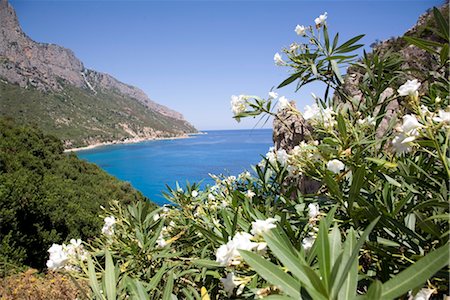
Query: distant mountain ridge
[48, 72]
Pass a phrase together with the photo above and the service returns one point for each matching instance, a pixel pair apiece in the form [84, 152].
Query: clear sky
[193, 55]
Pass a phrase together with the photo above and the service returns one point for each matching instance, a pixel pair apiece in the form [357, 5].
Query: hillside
[48, 196]
[46, 85]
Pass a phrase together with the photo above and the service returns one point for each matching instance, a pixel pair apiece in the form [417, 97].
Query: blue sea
[150, 166]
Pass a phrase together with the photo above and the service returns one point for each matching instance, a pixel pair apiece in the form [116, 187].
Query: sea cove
[150, 165]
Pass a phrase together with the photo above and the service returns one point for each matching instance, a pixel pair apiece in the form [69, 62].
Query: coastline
[130, 141]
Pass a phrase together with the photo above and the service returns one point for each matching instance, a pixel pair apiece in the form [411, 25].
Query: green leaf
[137, 289]
[341, 126]
[285, 252]
[392, 180]
[342, 48]
[382, 162]
[444, 54]
[417, 274]
[110, 277]
[441, 22]
[289, 80]
[426, 45]
[93, 278]
[358, 180]
[375, 291]
[355, 253]
[206, 263]
[323, 255]
[272, 274]
[168, 288]
[336, 71]
[350, 278]
[157, 277]
[333, 186]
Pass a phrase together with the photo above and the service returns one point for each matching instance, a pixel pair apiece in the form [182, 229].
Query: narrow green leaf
[168, 288]
[295, 264]
[441, 22]
[93, 278]
[358, 180]
[289, 80]
[137, 289]
[355, 252]
[323, 254]
[336, 71]
[157, 277]
[417, 274]
[110, 277]
[272, 274]
[349, 43]
[206, 263]
[348, 289]
[382, 162]
[375, 291]
[341, 126]
[392, 180]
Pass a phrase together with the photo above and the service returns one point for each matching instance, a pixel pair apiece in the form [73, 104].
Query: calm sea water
[150, 165]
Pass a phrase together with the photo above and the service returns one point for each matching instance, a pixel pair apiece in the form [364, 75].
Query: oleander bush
[377, 226]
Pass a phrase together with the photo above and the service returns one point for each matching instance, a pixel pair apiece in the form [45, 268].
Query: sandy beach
[131, 141]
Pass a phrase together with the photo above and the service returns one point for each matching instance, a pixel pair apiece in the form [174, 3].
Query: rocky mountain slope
[47, 85]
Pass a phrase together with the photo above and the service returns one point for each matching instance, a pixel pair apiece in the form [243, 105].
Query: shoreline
[131, 141]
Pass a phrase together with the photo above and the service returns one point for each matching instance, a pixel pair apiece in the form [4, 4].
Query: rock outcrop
[50, 69]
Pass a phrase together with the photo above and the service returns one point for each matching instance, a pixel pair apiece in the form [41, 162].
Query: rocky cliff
[49, 69]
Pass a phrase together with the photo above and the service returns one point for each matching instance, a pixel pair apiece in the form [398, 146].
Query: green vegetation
[47, 196]
[377, 227]
[78, 116]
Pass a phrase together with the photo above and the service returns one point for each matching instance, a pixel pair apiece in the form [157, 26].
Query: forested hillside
[48, 196]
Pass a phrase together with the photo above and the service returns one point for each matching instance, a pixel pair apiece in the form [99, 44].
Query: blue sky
[193, 55]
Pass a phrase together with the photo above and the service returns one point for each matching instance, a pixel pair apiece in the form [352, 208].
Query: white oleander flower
[58, 257]
[211, 197]
[308, 242]
[311, 112]
[335, 166]
[313, 210]
[273, 95]
[194, 193]
[409, 88]
[424, 294]
[161, 242]
[228, 254]
[278, 60]
[400, 144]
[108, 227]
[300, 30]
[410, 125]
[443, 117]
[261, 226]
[282, 157]
[294, 47]
[250, 194]
[156, 217]
[370, 121]
[271, 156]
[321, 19]
[229, 283]
[283, 103]
[238, 104]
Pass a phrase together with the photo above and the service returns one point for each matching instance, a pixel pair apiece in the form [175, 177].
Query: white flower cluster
[66, 256]
[336, 166]
[409, 88]
[321, 20]
[368, 121]
[313, 213]
[238, 104]
[231, 282]
[278, 60]
[317, 115]
[108, 227]
[228, 254]
[280, 156]
[406, 134]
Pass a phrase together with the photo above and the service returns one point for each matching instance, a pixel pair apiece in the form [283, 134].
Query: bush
[375, 228]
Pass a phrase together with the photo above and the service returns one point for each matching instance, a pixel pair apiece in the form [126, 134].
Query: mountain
[47, 85]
